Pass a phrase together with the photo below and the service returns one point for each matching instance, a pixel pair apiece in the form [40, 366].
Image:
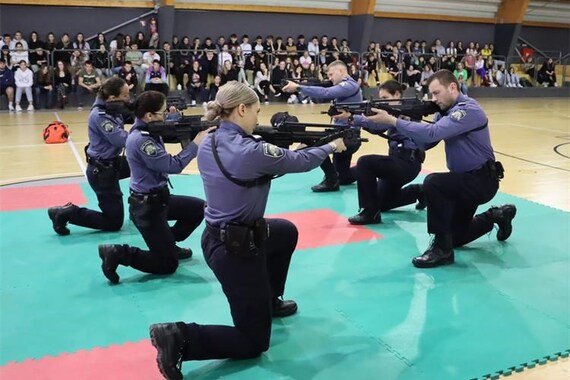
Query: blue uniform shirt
[245, 158]
[107, 135]
[464, 150]
[397, 139]
[150, 163]
[347, 91]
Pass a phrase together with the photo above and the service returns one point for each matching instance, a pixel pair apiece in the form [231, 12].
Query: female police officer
[380, 178]
[151, 205]
[249, 255]
[105, 165]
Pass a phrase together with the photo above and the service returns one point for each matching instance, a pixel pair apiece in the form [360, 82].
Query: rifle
[185, 129]
[307, 82]
[287, 133]
[413, 108]
[178, 101]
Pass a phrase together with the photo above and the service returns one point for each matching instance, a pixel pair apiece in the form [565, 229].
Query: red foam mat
[38, 197]
[129, 361]
[320, 228]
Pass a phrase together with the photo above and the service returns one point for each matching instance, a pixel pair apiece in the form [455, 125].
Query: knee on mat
[169, 266]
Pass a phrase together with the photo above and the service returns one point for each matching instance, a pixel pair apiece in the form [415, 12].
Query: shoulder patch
[458, 115]
[108, 126]
[149, 148]
[272, 151]
[343, 83]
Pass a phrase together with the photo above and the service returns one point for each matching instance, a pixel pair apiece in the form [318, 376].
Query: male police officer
[105, 166]
[344, 89]
[473, 177]
[151, 205]
[380, 178]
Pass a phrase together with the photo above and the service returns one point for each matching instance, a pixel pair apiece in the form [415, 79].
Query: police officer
[105, 165]
[344, 89]
[473, 177]
[380, 178]
[249, 255]
[150, 204]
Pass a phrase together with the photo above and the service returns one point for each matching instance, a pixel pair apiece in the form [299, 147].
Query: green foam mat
[364, 310]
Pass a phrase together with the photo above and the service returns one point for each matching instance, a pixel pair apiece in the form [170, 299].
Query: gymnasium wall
[214, 23]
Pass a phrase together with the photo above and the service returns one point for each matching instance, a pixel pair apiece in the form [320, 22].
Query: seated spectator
[355, 73]
[5, 55]
[155, 78]
[461, 74]
[130, 76]
[529, 67]
[480, 70]
[196, 83]
[486, 52]
[546, 74]
[426, 74]
[88, 84]
[43, 88]
[62, 83]
[229, 73]
[100, 60]
[38, 59]
[500, 77]
[413, 77]
[262, 84]
[512, 79]
[148, 58]
[136, 57]
[18, 55]
[213, 88]
[489, 79]
[7, 83]
[24, 79]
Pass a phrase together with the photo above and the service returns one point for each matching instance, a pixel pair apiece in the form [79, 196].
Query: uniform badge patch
[271, 150]
[458, 115]
[342, 84]
[149, 148]
[108, 126]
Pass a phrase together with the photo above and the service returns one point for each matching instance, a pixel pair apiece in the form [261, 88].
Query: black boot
[366, 216]
[183, 253]
[421, 197]
[439, 253]
[283, 308]
[60, 216]
[170, 341]
[326, 186]
[112, 256]
[503, 216]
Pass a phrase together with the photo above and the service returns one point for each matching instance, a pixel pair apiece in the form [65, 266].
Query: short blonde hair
[229, 96]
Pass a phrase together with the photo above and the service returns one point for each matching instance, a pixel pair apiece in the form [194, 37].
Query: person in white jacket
[24, 79]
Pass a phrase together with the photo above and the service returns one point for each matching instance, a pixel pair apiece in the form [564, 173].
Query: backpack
[56, 132]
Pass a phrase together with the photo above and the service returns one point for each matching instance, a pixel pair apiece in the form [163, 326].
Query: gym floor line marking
[75, 152]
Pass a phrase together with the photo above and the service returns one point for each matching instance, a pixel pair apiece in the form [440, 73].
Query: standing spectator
[7, 84]
[43, 88]
[24, 79]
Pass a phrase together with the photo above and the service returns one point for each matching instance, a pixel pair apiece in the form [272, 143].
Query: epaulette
[146, 133]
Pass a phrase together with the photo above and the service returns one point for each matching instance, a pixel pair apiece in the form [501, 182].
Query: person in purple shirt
[473, 177]
[105, 164]
[249, 254]
[151, 204]
[344, 90]
[380, 178]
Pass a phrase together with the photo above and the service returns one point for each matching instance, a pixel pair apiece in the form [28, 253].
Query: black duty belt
[408, 154]
[155, 196]
[102, 163]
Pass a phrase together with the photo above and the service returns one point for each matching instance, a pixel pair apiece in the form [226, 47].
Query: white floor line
[80, 161]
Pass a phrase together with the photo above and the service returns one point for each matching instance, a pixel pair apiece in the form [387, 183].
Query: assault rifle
[287, 133]
[413, 108]
[179, 131]
[178, 101]
[307, 82]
